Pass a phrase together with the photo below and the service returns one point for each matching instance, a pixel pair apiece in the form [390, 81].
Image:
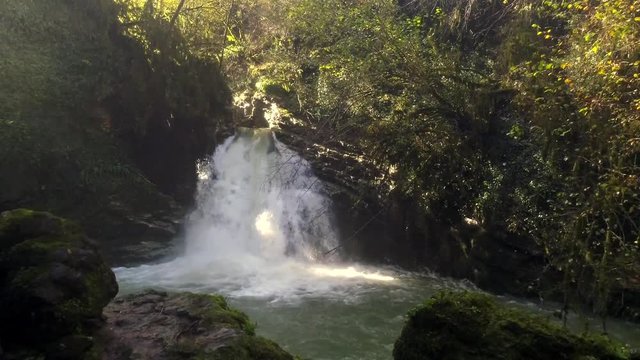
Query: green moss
[59, 63]
[473, 326]
[9, 226]
[98, 295]
[95, 295]
[213, 309]
[34, 257]
[261, 348]
[27, 276]
[53, 281]
[12, 217]
[213, 312]
[36, 230]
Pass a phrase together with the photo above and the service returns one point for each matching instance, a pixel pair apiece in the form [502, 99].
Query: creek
[260, 235]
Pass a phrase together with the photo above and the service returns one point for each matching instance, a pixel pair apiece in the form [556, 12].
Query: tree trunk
[177, 12]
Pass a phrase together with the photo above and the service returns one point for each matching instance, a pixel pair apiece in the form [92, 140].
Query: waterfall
[256, 197]
[261, 228]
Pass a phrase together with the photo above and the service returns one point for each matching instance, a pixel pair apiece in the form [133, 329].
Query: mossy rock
[215, 313]
[473, 326]
[53, 282]
[190, 326]
[213, 310]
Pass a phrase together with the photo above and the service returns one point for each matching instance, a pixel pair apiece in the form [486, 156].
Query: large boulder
[473, 326]
[53, 286]
[163, 326]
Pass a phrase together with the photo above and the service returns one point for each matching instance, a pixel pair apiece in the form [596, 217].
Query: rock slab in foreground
[157, 325]
[472, 326]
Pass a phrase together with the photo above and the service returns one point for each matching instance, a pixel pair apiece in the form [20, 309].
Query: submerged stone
[473, 326]
[53, 285]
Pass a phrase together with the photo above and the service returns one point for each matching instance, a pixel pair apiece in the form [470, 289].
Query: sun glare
[264, 224]
[350, 273]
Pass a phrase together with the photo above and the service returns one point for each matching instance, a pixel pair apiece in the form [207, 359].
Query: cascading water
[261, 227]
[257, 198]
[258, 235]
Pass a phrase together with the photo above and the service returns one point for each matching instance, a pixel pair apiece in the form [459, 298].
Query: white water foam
[262, 227]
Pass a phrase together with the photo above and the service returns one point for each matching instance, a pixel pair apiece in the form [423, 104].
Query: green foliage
[84, 100]
[159, 87]
[365, 71]
[578, 90]
[47, 48]
[522, 115]
[57, 65]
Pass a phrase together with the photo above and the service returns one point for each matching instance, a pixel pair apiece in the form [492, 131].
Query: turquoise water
[348, 317]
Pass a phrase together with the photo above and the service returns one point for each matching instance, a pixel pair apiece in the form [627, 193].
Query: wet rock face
[381, 225]
[129, 238]
[493, 259]
[157, 325]
[474, 326]
[53, 285]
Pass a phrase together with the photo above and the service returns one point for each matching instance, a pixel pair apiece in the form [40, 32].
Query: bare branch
[177, 12]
